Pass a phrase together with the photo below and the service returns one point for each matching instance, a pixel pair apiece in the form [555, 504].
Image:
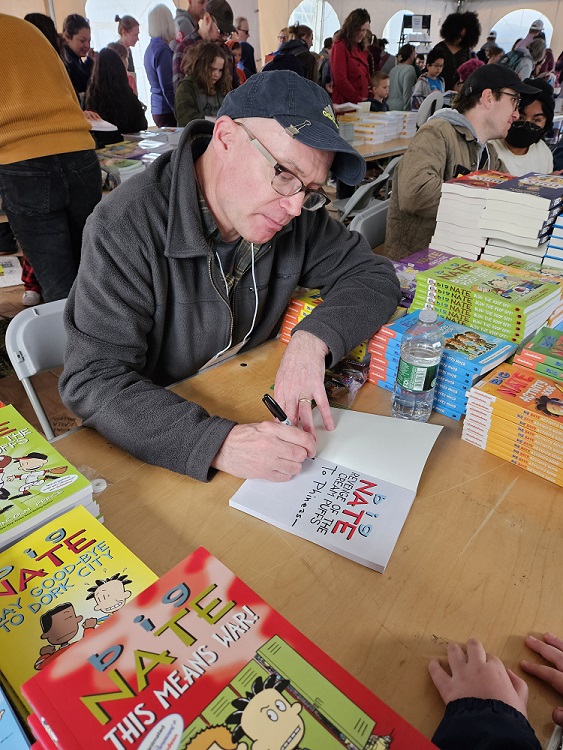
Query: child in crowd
[236, 49]
[110, 95]
[76, 35]
[486, 702]
[430, 80]
[124, 55]
[206, 81]
[380, 91]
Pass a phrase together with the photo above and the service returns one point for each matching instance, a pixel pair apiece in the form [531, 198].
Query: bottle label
[415, 377]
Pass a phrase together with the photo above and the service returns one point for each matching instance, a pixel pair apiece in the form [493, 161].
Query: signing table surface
[478, 555]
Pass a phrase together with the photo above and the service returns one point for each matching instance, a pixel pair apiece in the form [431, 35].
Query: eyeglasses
[285, 182]
[246, 31]
[515, 99]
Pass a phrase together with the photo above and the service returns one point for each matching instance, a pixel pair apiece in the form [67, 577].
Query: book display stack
[300, 305]
[554, 249]
[128, 158]
[408, 268]
[506, 305]
[543, 354]
[517, 414]
[408, 126]
[519, 216]
[36, 482]
[467, 355]
[462, 203]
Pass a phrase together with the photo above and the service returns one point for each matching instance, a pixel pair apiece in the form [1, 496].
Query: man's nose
[293, 204]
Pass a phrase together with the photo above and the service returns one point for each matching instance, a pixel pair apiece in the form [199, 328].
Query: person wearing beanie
[465, 70]
[50, 179]
[524, 150]
[452, 142]
[199, 258]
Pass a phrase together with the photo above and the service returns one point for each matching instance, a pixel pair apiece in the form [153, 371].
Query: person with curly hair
[110, 95]
[206, 81]
[460, 32]
[349, 60]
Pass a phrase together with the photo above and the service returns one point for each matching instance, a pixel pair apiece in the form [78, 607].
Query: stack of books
[408, 127]
[36, 482]
[554, 249]
[408, 268]
[121, 168]
[519, 216]
[467, 355]
[517, 415]
[462, 202]
[543, 354]
[503, 304]
[301, 304]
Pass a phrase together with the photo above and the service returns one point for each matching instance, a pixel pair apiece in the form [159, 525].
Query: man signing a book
[197, 258]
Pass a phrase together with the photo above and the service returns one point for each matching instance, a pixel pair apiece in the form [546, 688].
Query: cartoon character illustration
[110, 595]
[215, 738]
[265, 715]
[32, 472]
[59, 626]
[505, 285]
[551, 406]
[4, 493]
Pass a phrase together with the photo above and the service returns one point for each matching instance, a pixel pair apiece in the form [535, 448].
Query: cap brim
[348, 165]
[523, 88]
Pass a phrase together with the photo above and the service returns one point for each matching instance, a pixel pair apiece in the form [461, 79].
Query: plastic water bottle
[421, 350]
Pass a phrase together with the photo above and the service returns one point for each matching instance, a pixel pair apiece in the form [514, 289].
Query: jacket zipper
[226, 301]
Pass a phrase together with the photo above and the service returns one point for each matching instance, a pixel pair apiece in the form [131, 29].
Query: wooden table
[384, 150]
[478, 555]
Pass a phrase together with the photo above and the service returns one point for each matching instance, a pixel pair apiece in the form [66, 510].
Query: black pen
[275, 409]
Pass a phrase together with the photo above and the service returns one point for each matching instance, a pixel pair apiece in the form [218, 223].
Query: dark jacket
[158, 64]
[350, 74]
[193, 103]
[79, 70]
[149, 308]
[477, 724]
[300, 50]
[451, 62]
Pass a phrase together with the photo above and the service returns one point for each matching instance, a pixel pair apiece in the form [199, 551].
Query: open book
[354, 497]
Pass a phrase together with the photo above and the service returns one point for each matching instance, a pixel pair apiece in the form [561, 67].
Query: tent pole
[50, 8]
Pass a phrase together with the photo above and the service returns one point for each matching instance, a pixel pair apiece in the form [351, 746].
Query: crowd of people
[198, 258]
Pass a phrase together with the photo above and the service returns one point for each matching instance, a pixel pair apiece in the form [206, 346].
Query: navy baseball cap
[303, 109]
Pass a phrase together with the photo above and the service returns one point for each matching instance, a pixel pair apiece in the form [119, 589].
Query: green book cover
[546, 347]
[36, 482]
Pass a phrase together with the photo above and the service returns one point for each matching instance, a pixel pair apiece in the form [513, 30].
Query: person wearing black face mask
[524, 150]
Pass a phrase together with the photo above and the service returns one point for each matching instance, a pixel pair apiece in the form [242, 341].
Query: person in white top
[524, 150]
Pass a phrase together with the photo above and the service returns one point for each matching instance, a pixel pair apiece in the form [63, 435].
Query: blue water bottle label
[416, 378]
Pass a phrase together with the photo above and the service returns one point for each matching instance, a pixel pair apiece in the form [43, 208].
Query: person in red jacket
[349, 60]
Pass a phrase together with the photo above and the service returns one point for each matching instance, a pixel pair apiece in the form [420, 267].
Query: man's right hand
[265, 450]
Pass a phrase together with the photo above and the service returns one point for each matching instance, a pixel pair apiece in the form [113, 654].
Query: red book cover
[199, 655]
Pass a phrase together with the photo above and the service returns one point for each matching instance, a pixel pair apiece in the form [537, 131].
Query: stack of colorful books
[554, 250]
[468, 354]
[517, 415]
[506, 305]
[462, 203]
[543, 354]
[300, 305]
[519, 216]
[408, 269]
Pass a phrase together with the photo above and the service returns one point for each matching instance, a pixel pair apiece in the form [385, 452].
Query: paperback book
[56, 586]
[36, 482]
[534, 189]
[199, 659]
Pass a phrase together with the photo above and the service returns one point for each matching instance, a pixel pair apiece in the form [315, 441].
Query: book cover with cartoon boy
[199, 661]
[36, 482]
[56, 586]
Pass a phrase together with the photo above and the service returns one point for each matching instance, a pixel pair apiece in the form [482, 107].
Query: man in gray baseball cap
[197, 258]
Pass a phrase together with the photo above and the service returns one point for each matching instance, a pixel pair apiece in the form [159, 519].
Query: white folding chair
[431, 104]
[389, 172]
[35, 342]
[371, 223]
[361, 199]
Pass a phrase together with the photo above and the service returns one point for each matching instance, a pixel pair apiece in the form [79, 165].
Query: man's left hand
[300, 380]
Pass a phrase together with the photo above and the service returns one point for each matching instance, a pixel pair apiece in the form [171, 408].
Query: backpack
[512, 59]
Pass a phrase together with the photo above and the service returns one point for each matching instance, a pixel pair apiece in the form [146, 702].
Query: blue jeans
[47, 201]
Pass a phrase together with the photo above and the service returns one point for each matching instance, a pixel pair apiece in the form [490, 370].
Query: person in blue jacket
[158, 64]
[486, 702]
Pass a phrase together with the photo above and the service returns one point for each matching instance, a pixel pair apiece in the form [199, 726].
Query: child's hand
[476, 674]
[551, 648]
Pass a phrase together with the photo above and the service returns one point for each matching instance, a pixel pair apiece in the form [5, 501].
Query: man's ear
[487, 98]
[224, 134]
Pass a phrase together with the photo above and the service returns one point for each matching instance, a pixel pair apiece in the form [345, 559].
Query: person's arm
[163, 68]
[419, 92]
[409, 82]
[485, 702]
[420, 174]
[339, 68]
[186, 103]
[360, 291]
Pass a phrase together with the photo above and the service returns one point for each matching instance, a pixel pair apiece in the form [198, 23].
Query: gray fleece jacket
[149, 308]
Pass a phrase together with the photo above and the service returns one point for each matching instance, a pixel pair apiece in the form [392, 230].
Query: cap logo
[329, 112]
[293, 130]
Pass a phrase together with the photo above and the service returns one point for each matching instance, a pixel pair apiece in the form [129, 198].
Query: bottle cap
[427, 315]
